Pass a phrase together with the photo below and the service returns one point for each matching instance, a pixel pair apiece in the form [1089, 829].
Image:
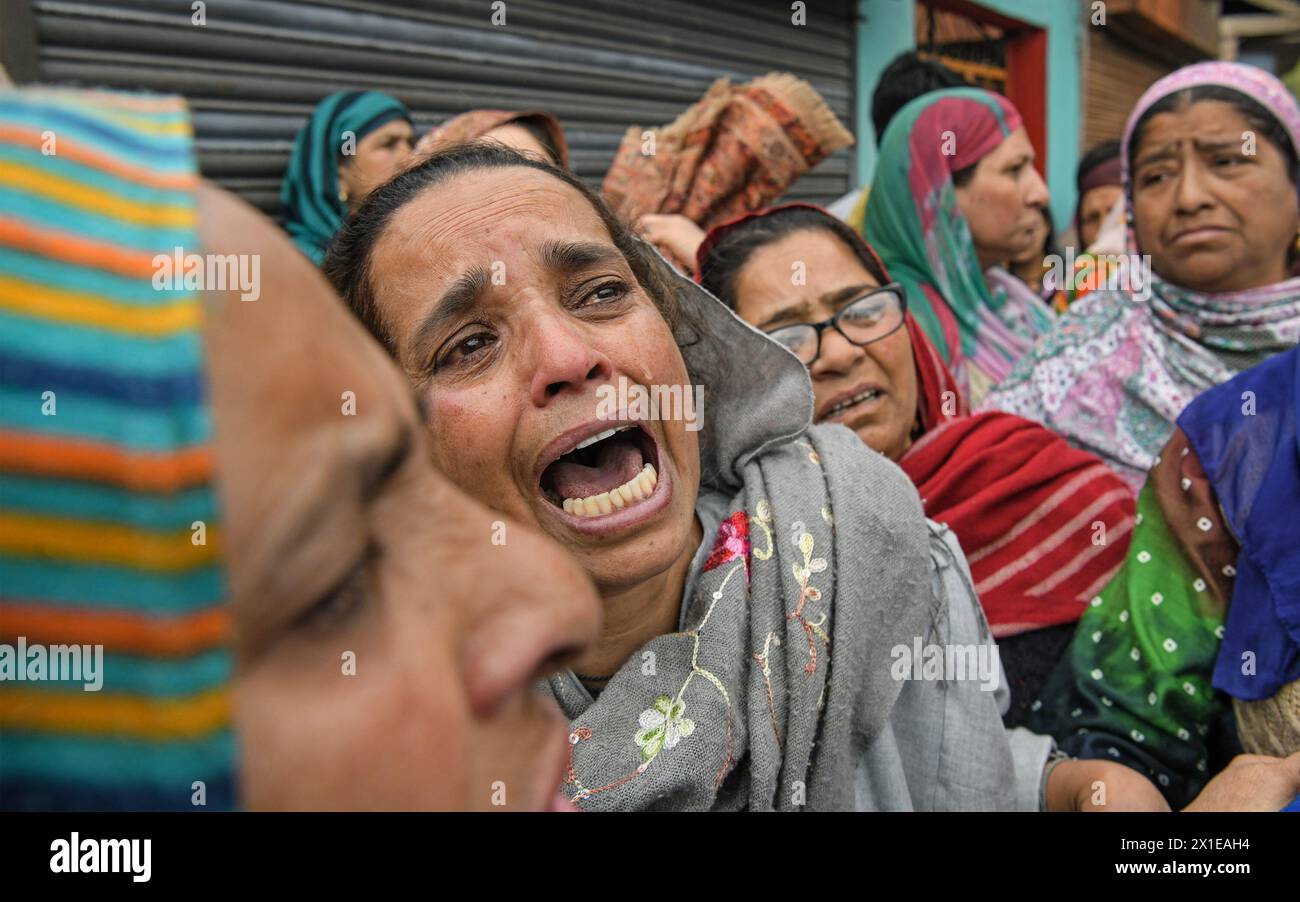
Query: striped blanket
[109, 535]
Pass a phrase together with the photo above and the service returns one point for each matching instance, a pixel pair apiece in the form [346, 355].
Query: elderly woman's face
[378, 158]
[529, 339]
[1212, 203]
[1003, 202]
[388, 629]
[870, 388]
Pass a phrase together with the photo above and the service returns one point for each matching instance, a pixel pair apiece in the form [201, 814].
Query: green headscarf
[916, 225]
[313, 210]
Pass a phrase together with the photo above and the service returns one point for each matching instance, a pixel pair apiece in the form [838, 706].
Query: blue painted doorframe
[887, 28]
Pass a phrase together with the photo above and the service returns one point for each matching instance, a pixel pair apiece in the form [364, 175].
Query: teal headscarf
[915, 224]
[313, 210]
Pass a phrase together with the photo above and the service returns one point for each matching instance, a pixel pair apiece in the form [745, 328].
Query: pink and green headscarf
[914, 221]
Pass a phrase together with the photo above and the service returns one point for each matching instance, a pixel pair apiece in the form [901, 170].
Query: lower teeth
[638, 488]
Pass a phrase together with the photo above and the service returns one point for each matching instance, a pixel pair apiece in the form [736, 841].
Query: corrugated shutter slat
[253, 72]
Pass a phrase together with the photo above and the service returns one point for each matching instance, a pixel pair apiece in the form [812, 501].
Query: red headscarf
[1044, 526]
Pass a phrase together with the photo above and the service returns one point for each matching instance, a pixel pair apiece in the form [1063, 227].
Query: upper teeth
[866, 395]
[598, 437]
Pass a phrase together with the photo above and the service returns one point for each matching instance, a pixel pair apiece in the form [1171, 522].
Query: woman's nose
[563, 358]
[1192, 192]
[1038, 195]
[542, 614]
[837, 354]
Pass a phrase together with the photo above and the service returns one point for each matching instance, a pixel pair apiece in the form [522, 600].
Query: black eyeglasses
[870, 317]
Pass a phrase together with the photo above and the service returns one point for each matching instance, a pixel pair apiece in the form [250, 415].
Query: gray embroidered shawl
[780, 677]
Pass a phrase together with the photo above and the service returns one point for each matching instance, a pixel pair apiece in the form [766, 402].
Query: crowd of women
[423, 567]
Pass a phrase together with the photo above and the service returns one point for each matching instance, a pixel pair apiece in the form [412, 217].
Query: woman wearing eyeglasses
[1043, 525]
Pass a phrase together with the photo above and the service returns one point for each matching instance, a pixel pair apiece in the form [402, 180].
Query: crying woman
[754, 574]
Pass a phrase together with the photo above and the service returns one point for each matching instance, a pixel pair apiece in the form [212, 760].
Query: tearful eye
[607, 293]
[464, 349]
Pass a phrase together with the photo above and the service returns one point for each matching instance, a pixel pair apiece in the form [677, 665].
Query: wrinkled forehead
[502, 215]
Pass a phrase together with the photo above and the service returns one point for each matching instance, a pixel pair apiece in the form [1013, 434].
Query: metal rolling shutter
[253, 72]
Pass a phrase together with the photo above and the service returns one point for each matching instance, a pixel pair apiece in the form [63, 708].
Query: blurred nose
[540, 612]
[838, 355]
[1192, 191]
[1036, 194]
[562, 358]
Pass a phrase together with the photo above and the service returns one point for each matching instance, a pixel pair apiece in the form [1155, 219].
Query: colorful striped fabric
[109, 528]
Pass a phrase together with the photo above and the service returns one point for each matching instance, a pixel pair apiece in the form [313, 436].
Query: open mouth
[869, 395]
[860, 396]
[612, 470]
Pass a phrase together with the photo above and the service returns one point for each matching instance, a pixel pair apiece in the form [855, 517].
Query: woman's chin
[882, 439]
[619, 561]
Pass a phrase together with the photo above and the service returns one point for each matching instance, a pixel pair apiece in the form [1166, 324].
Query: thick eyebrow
[455, 302]
[799, 310]
[575, 256]
[802, 310]
[833, 299]
[1171, 149]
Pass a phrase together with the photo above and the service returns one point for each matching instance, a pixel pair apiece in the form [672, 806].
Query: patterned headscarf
[916, 225]
[312, 208]
[736, 150]
[1116, 372]
[109, 528]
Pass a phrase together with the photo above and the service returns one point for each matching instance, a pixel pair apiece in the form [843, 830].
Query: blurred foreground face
[386, 644]
[1003, 202]
[1214, 209]
[522, 373]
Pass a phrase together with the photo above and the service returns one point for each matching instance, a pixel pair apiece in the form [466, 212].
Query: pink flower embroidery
[732, 543]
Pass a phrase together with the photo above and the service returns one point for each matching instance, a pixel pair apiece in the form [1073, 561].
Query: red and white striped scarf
[1044, 526]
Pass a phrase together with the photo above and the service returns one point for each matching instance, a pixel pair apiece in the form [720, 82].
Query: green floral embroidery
[663, 725]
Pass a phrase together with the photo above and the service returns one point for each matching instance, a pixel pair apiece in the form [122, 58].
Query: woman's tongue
[618, 459]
